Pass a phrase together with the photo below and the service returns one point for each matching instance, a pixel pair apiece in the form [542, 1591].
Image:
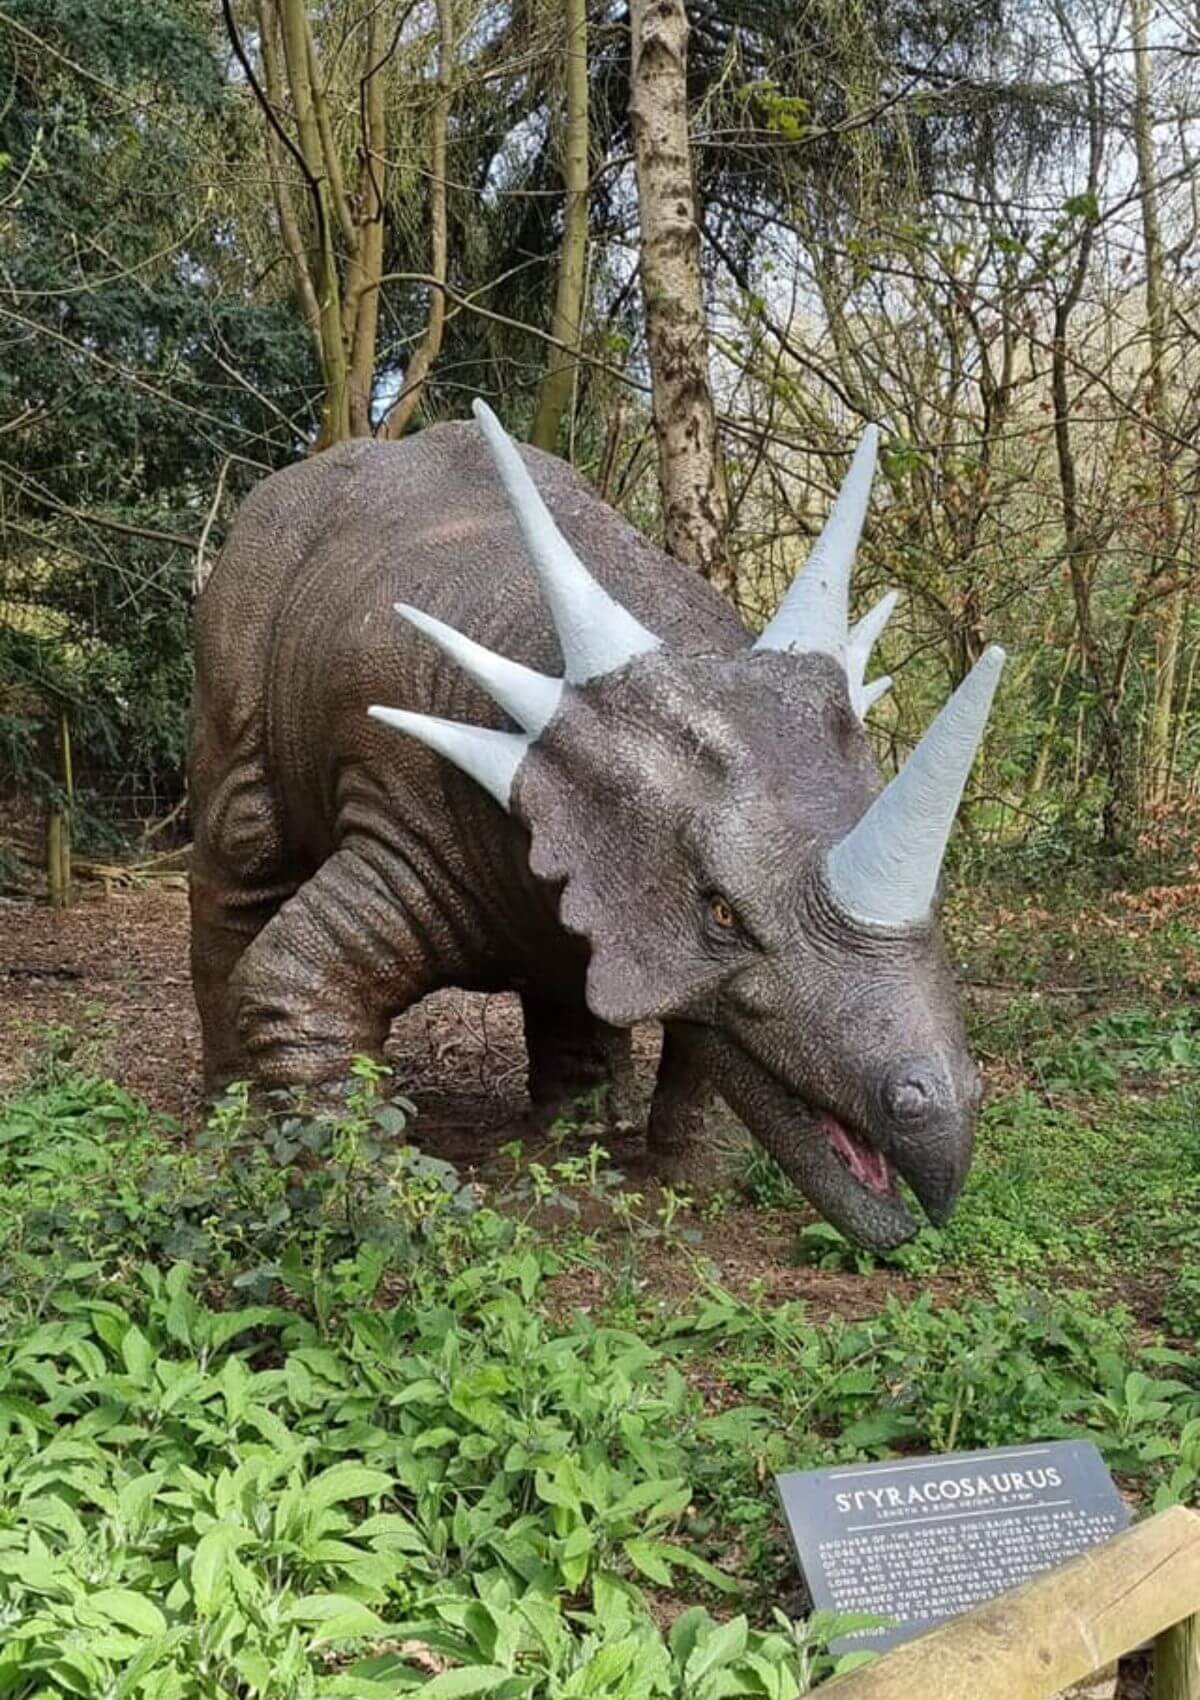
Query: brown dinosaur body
[434, 744]
[340, 874]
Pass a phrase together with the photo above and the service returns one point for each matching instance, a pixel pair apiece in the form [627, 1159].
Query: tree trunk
[689, 468]
[566, 324]
[58, 824]
[285, 209]
[297, 54]
[1082, 553]
[337, 266]
[1081, 548]
[1169, 609]
[360, 317]
[422, 362]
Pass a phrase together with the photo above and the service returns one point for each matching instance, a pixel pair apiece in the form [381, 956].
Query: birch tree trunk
[1170, 609]
[572, 265]
[690, 476]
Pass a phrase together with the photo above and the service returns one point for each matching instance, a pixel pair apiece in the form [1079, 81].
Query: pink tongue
[869, 1168]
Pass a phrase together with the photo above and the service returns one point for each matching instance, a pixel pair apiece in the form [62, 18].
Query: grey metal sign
[920, 1540]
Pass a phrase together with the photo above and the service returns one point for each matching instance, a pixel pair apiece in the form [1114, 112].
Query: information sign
[920, 1540]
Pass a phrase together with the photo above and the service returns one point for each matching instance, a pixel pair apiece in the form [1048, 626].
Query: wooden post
[56, 886]
[1034, 1641]
[58, 824]
[1177, 1661]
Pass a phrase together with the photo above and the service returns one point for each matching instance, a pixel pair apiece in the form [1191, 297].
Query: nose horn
[885, 871]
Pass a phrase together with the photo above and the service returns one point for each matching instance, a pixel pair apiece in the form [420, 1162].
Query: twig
[155, 827]
[201, 571]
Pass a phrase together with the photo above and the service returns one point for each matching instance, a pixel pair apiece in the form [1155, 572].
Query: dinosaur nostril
[907, 1094]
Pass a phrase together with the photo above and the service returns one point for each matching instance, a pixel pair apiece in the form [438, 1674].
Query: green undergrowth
[1111, 934]
[285, 1415]
[294, 1412]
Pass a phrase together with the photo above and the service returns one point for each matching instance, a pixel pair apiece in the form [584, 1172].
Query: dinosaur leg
[236, 883]
[572, 1054]
[675, 1134]
[224, 924]
[322, 980]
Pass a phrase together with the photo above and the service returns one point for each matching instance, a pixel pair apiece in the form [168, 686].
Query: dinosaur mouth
[870, 1168]
[843, 1175]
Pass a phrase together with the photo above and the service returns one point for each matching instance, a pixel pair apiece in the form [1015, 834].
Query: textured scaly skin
[340, 871]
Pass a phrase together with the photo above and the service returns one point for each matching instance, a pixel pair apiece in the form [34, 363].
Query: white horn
[531, 698]
[491, 758]
[815, 613]
[868, 695]
[885, 870]
[862, 640]
[595, 633]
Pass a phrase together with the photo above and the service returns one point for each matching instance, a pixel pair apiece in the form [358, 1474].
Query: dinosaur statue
[596, 790]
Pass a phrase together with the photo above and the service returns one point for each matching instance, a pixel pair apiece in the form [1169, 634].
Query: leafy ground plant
[290, 1412]
[204, 1502]
[399, 1473]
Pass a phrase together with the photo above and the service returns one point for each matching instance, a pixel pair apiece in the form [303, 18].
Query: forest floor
[1086, 1019]
[1085, 1195]
[113, 972]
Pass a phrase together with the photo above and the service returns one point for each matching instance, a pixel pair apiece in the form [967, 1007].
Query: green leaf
[299, 1383]
[650, 1558]
[423, 1392]
[719, 1648]
[181, 1317]
[135, 1611]
[348, 1686]
[345, 1481]
[210, 1563]
[392, 1530]
[574, 1556]
[657, 1500]
[877, 1428]
[227, 1325]
[38, 1572]
[776, 1680]
[137, 1353]
[468, 1679]
[134, 1498]
[609, 1665]
[24, 1415]
[686, 1559]
[686, 1632]
[435, 1438]
[338, 1616]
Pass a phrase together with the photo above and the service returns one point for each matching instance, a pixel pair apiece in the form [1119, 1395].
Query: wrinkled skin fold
[456, 723]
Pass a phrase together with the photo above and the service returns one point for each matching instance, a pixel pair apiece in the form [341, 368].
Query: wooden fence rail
[1036, 1640]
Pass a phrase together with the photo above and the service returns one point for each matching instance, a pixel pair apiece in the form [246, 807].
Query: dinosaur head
[719, 833]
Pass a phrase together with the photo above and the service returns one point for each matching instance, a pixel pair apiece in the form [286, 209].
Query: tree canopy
[937, 218]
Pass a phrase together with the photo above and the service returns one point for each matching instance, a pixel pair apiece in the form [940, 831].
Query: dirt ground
[114, 969]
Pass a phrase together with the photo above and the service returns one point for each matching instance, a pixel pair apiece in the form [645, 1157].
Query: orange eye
[721, 912]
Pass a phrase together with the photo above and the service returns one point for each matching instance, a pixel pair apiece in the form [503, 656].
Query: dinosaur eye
[722, 912]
